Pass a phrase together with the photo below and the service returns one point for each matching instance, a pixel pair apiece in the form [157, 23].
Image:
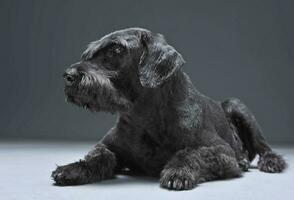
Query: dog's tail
[251, 135]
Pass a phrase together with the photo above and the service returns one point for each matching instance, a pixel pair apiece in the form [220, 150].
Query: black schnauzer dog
[165, 128]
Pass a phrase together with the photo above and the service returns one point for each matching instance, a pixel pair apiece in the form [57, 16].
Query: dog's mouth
[80, 102]
[88, 105]
[90, 99]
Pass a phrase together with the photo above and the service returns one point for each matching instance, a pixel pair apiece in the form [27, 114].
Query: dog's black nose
[70, 76]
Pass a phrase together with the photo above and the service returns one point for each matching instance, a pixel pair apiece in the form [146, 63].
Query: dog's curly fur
[165, 128]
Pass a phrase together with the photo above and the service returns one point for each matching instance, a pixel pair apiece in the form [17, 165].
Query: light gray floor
[25, 170]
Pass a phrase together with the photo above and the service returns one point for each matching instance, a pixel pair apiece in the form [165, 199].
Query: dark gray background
[232, 48]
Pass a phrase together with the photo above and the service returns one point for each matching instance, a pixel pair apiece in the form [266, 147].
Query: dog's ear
[159, 61]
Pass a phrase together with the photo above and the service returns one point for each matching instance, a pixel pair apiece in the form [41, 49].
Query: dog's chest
[150, 154]
[146, 144]
[151, 136]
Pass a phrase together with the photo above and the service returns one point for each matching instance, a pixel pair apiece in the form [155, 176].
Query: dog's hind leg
[192, 166]
[98, 164]
[252, 137]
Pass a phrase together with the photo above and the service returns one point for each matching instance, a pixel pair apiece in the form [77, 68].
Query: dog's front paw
[271, 163]
[244, 164]
[177, 179]
[72, 174]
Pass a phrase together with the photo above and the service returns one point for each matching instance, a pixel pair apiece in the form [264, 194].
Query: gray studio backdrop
[244, 47]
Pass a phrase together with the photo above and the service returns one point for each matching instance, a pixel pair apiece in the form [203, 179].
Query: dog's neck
[174, 90]
[177, 96]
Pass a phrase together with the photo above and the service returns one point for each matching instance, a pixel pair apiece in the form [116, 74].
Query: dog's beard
[95, 92]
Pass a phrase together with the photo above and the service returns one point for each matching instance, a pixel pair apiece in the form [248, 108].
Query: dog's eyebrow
[92, 48]
[98, 45]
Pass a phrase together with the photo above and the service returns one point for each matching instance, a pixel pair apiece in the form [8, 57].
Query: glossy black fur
[165, 127]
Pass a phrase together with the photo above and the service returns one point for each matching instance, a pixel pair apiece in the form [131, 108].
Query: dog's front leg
[97, 165]
[192, 166]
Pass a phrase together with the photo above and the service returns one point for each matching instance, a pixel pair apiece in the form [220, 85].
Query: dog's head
[115, 69]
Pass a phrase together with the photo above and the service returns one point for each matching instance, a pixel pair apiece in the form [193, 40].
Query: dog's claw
[178, 184]
[177, 180]
[174, 184]
[169, 184]
[186, 184]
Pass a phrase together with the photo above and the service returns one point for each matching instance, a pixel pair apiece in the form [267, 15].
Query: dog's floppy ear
[158, 62]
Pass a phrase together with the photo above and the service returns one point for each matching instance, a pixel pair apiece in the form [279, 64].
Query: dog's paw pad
[271, 163]
[177, 179]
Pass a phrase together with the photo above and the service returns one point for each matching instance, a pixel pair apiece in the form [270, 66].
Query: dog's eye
[114, 51]
[117, 49]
